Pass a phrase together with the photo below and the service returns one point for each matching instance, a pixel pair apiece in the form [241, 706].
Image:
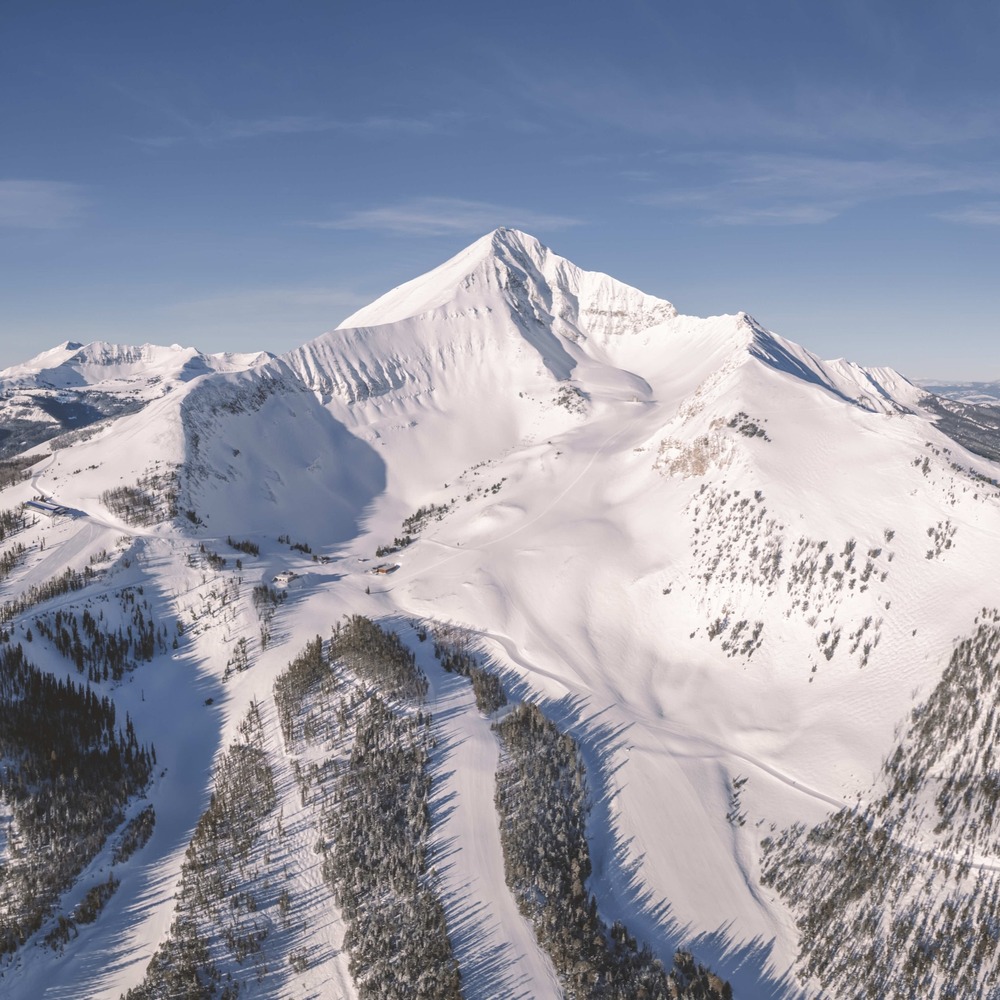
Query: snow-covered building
[45, 507]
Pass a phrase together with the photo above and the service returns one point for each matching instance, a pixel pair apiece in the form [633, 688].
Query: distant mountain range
[520, 637]
[981, 393]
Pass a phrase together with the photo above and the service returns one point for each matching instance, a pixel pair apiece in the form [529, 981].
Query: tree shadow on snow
[617, 879]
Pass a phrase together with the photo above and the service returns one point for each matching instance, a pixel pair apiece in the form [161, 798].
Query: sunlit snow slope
[717, 560]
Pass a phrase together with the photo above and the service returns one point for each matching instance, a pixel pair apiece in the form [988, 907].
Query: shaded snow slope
[876, 389]
[252, 449]
[261, 454]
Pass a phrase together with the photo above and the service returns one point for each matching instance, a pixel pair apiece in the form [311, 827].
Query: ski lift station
[45, 507]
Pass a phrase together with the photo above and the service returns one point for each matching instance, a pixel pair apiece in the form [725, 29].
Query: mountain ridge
[101, 361]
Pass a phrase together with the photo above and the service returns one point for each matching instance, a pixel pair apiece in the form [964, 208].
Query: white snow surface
[575, 430]
[107, 366]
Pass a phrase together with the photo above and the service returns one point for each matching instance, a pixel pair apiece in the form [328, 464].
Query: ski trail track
[551, 505]
[494, 944]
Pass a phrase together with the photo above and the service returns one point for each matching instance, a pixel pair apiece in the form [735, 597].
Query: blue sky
[241, 176]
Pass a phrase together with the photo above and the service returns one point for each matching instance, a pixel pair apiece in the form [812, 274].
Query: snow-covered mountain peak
[50, 358]
[508, 268]
[75, 385]
[72, 364]
[506, 314]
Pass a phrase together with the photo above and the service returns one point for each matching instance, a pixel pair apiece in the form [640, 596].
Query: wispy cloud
[223, 130]
[987, 214]
[444, 216]
[610, 96]
[736, 153]
[33, 204]
[776, 215]
[793, 189]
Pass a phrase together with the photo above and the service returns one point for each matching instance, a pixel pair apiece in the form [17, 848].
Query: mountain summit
[506, 303]
[538, 286]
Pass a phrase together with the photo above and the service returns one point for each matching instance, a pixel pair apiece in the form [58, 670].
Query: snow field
[590, 575]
